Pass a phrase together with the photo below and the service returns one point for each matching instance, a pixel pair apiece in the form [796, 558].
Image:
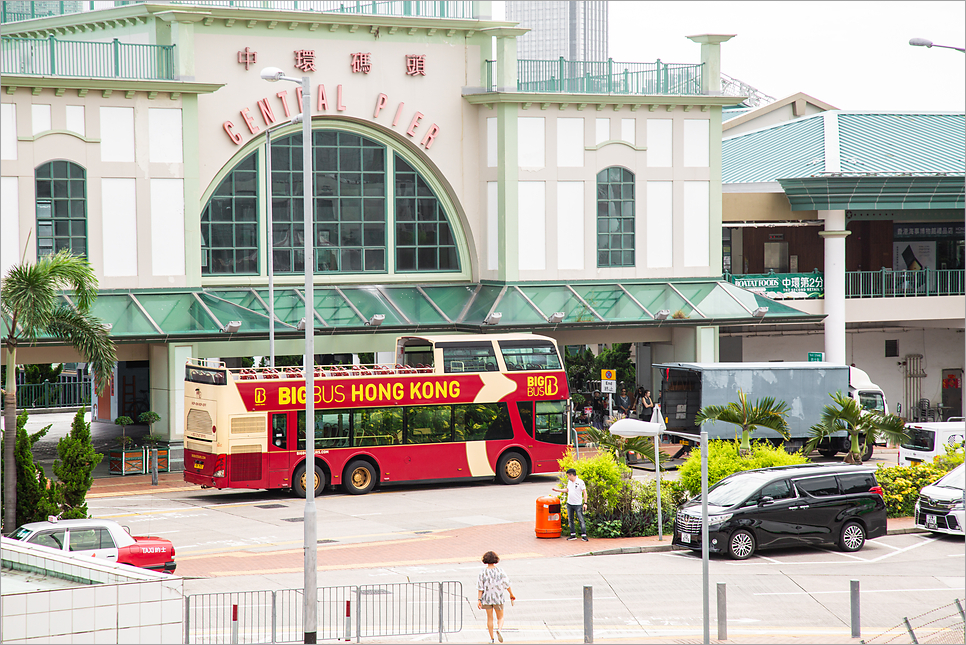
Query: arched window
[424, 239]
[229, 223]
[615, 217]
[350, 203]
[61, 208]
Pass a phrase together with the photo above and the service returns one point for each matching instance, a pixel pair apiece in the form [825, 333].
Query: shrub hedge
[901, 484]
[724, 460]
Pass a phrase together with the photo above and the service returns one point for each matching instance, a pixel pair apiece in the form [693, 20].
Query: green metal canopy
[875, 191]
[201, 314]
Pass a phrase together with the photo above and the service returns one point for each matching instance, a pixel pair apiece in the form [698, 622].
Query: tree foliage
[724, 459]
[75, 468]
[863, 426]
[36, 374]
[36, 496]
[765, 413]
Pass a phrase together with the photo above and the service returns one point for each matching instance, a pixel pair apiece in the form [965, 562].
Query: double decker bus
[449, 408]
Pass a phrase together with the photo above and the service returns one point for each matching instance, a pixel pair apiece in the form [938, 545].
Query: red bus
[449, 408]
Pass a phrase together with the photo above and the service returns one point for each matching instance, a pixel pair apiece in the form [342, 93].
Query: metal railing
[879, 284]
[70, 394]
[946, 624]
[53, 57]
[460, 9]
[363, 611]
[901, 284]
[603, 77]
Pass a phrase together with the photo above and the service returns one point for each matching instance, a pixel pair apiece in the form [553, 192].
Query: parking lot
[251, 540]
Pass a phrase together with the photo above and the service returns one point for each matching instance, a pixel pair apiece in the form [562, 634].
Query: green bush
[724, 460]
[75, 467]
[901, 484]
[617, 505]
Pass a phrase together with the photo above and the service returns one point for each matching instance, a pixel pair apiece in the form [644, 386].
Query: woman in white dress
[491, 584]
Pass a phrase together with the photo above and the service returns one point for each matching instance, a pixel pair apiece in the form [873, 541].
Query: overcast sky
[853, 55]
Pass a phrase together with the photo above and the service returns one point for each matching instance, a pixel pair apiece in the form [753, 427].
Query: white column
[834, 235]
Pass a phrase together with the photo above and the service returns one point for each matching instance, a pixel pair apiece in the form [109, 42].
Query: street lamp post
[925, 42]
[311, 593]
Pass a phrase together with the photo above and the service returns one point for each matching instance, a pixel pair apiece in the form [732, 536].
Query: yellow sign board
[608, 375]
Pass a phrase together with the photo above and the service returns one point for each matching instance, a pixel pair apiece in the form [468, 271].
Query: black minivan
[786, 506]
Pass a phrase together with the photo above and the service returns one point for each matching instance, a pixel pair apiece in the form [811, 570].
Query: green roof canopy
[869, 191]
[200, 314]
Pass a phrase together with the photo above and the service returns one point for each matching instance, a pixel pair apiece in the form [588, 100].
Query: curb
[904, 531]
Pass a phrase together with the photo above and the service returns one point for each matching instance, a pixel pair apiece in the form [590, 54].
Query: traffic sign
[816, 357]
[608, 387]
[608, 375]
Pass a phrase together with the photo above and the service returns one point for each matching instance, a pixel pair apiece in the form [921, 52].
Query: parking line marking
[864, 591]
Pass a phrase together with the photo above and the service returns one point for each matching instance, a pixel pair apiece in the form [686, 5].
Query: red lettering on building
[427, 141]
[267, 115]
[395, 119]
[323, 102]
[249, 121]
[339, 105]
[237, 138]
[414, 124]
[283, 95]
[380, 103]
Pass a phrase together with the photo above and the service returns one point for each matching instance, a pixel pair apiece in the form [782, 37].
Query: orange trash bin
[548, 517]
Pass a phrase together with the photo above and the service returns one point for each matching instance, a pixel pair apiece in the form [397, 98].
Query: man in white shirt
[576, 502]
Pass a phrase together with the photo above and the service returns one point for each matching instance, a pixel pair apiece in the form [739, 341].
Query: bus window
[526, 415]
[429, 424]
[377, 427]
[280, 430]
[468, 357]
[529, 355]
[551, 423]
[482, 421]
[418, 356]
[331, 429]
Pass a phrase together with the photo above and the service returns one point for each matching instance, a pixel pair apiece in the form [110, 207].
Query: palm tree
[765, 413]
[31, 308]
[869, 425]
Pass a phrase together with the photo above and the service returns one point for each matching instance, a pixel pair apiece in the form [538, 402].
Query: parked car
[786, 506]
[939, 507]
[101, 539]
[929, 440]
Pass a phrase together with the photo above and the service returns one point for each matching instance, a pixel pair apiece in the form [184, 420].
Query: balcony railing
[405, 8]
[52, 57]
[858, 284]
[602, 77]
[69, 394]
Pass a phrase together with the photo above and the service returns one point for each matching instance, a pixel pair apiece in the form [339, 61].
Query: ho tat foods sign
[332, 99]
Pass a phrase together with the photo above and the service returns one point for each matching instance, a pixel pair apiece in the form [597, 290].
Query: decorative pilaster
[834, 235]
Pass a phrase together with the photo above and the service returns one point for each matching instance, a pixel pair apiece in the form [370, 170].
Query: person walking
[490, 585]
[576, 502]
[599, 406]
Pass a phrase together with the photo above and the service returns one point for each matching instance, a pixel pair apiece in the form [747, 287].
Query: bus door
[279, 450]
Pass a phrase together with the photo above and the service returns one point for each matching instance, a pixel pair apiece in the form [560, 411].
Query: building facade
[442, 193]
[574, 30]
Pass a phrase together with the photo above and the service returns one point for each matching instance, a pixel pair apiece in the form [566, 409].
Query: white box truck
[805, 387]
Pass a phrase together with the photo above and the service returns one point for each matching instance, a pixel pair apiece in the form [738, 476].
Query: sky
[852, 55]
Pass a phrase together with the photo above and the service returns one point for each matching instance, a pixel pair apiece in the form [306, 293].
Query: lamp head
[232, 327]
[555, 318]
[272, 74]
[920, 42]
[301, 325]
[376, 320]
[662, 314]
[760, 312]
[493, 319]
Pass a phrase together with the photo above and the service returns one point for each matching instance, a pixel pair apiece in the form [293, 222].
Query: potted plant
[125, 460]
[152, 441]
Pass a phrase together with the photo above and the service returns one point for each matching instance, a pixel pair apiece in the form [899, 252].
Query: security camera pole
[311, 594]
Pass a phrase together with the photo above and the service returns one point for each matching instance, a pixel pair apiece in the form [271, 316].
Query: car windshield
[734, 490]
[920, 439]
[953, 479]
[21, 533]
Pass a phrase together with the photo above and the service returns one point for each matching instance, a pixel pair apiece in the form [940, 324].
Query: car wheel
[853, 537]
[300, 481]
[741, 545]
[867, 455]
[828, 454]
[360, 477]
[512, 468]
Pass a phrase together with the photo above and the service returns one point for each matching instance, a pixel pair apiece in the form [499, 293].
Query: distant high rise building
[23, 10]
[574, 29]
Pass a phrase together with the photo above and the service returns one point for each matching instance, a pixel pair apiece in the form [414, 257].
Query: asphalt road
[250, 540]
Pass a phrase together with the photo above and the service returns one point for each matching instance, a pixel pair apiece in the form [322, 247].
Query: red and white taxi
[101, 539]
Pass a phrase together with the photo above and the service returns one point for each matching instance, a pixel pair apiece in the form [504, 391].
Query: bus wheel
[512, 468]
[360, 477]
[300, 480]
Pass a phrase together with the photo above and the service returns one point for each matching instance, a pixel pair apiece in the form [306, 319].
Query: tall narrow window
[229, 223]
[350, 203]
[615, 217]
[61, 208]
[424, 239]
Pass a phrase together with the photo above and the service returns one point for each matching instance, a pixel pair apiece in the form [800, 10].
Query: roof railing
[53, 57]
[329, 371]
[602, 77]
